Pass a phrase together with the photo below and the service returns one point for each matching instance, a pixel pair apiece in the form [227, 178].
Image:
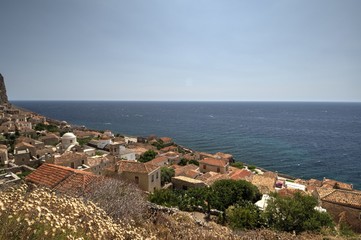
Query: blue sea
[305, 140]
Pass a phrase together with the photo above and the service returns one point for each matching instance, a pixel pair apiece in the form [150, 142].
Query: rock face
[3, 95]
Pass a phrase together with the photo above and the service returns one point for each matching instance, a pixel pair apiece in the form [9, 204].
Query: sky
[181, 50]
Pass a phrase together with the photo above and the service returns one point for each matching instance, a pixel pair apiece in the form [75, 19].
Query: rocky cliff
[3, 95]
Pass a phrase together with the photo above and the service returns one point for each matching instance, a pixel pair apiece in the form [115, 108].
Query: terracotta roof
[23, 145]
[322, 192]
[95, 161]
[187, 171]
[77, 183]
[61, 178]
[344, 197]
[159, 160]
[286, 192]
[214, 162]
[170, 148]
[264, 183]
[330, 183]
[132, 166]
[210, 177]
[166, 139]
[70, 156]
[240, 174]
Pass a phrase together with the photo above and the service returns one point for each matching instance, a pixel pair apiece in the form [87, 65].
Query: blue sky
[230, 50]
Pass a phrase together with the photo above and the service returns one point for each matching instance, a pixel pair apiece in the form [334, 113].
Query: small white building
[129, 139]
[292, 185]
[68, 140]
[103, 142]
[263, 203]
[127, 154]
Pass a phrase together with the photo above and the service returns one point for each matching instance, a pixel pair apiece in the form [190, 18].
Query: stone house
[185, 183]
[73, 160]
[213, 165]
[343, 205]
[50, 139]
[37, 144]
[265, 182]
[145, 175]
[98, 164]
[160, 161]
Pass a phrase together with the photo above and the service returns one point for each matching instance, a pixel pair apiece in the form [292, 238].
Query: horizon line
[264, 101]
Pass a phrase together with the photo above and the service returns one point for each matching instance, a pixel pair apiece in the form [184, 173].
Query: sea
[301, 139]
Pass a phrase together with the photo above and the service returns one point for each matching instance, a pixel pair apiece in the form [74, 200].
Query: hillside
[27, 213]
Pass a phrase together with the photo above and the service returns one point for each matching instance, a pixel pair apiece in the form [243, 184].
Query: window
[72, 165]
[218, 169]
[136, 179]
[157, 175]
[82, 161]
[204, 166]
[152, 178]
[71, 141]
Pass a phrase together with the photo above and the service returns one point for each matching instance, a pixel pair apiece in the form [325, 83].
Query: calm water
[307, 140]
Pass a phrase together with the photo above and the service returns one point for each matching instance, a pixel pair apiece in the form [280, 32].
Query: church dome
[68, 135]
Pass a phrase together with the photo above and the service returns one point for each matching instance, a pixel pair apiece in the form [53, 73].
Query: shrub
[247, 216]
[296, 214]
[147, 156]
[237, 165]
[166, 175]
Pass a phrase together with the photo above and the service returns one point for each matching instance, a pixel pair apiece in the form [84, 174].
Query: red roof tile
[132, 166]
[214, 162]
[61, 178]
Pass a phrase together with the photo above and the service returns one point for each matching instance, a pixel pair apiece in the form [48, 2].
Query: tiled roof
[240, 174]
[166, 139]
[132, 166]
[214, 162]
[60, 178]
[70, 156]
[23, 145]
[187, 171]
[330, 183]
[264, 183]
[344, 197]
[158, 160]
[210, 177]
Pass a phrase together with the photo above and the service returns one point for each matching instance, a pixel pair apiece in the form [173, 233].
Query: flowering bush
[42, 214]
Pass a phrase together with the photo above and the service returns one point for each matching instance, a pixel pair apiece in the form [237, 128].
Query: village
[68, 158]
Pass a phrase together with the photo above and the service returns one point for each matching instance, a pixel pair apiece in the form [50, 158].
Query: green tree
[165, 197]
[166, 174]
[147, 156]
[183, 162]
[247, 216]
[195, 162]
[229, 192]
[296, 213]
[237, 165]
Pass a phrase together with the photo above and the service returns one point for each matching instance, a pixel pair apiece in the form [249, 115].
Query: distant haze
[181, 50]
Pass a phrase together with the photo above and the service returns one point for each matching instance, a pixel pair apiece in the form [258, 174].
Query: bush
[296, 214]
[183, 162]
[147, 156]
[165, 197]
[195, 162]
[237, 165]
[247, 216]
[230, 192]
[166, 175]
